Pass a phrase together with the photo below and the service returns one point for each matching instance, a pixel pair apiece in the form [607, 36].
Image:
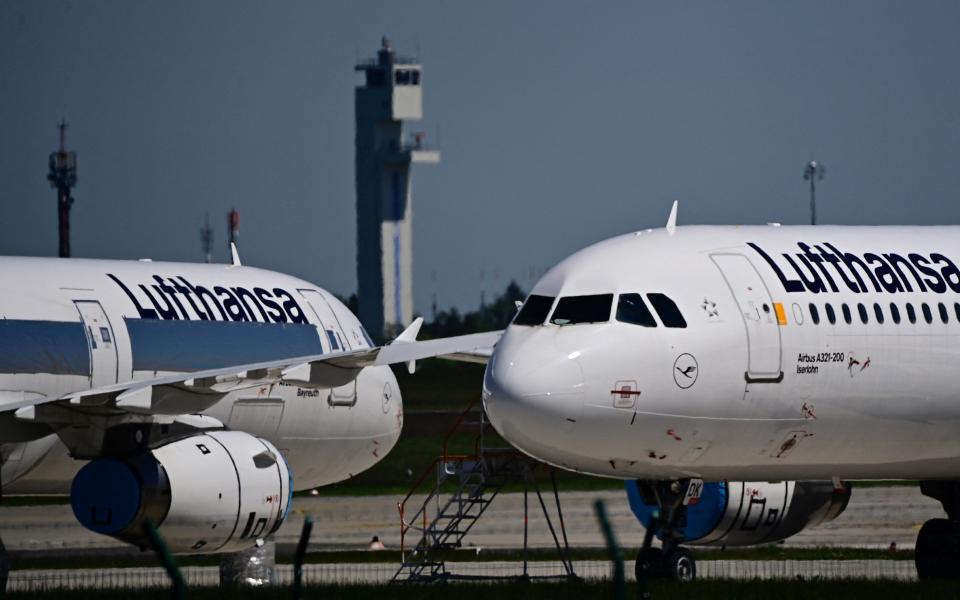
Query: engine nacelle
[217, 491]
[746, 513]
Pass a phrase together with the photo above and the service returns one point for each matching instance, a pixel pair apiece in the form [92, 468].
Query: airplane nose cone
[533, 392]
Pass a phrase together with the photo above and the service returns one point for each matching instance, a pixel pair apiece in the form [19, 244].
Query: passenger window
[927, 315]
[911, 314]
[831, 315]
[895, 313]
[846, 313]
[944, 317]
[667, 311]
[863, 313]
[534, 311]
[632, 309]
[573, 310]
[332, 338]
[878, 312]
[814, 314]
[956, 308]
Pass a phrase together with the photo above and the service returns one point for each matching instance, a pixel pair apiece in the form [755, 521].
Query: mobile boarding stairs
[461, 488]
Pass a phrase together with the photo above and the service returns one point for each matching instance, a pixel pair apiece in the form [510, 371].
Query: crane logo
[685, 370]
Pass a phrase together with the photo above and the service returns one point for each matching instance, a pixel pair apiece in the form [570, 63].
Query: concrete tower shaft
[390, 94]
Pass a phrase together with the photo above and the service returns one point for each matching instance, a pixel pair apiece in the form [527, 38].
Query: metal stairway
[444, 520]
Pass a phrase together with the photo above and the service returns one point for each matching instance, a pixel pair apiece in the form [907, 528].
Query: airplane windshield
[534, 311]
[667, 310]
[572, 310]
[632, 309]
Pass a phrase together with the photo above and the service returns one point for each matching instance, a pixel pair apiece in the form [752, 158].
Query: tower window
[401, 77]
[415, 77]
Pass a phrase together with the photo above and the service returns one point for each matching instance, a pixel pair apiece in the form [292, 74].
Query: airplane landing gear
[670, 561]
[937, 553]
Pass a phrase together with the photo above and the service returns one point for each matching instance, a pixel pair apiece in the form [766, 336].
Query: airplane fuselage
[804, 353]
[79, 324]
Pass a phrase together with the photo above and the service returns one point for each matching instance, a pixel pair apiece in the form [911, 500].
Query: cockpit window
[632, 309]
[534, 311]
[667, 310]
[582, 309]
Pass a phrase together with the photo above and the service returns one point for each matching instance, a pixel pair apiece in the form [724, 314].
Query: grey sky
[560, 124]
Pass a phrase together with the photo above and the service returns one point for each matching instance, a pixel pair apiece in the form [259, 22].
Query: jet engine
[746, 513]
[217, 491]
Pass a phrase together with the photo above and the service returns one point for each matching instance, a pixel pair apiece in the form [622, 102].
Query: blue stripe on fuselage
[198, 345]
[55, 347]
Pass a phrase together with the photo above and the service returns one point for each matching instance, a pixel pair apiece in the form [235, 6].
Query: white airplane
[194, 396]
[741, 356]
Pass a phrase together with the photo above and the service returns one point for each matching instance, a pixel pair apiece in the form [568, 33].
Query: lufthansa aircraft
[744, 356]
[197, 397]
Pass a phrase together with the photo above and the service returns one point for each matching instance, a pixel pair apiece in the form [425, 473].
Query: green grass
[34, 500]
[285, 556]
[440, 385]
[715, 589]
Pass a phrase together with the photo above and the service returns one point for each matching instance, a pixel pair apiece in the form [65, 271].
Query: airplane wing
[192, 392]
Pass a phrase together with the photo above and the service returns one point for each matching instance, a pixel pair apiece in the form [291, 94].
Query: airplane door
[336, 340]
[100, 341]
[332, 339]
[759, 316]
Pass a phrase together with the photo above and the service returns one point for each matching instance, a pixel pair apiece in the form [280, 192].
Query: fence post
[4, 568]
[299, 557]
[163, 553]
[613, 549]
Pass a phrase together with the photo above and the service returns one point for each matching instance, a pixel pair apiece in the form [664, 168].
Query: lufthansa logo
[685, 370]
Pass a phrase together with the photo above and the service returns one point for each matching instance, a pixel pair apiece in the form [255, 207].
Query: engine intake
[212, 492]
[746, 513]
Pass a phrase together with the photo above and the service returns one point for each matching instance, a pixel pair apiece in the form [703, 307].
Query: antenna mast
[62, 175]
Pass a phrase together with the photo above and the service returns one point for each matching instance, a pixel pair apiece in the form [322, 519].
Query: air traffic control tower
[390, 94]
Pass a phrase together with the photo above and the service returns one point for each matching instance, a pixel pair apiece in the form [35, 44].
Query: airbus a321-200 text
[737, 377]
[193, 397]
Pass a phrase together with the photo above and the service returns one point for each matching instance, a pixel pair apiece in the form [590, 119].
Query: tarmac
[875, 517]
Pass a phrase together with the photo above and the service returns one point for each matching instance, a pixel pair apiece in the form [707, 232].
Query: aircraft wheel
[680, 566]
[937, 553]
[649, 564]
